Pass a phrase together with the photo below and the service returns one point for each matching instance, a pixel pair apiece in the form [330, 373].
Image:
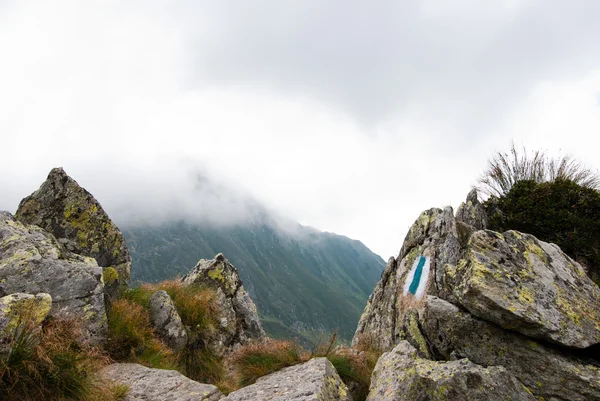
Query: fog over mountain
[343, 115]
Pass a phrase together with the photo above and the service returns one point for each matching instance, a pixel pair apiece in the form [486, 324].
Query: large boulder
[166, 320]
[315, 380]
[239, 322]
[146, 384]
[546, 370]
[32, 261]
[527, 285]
[402, 375]
[63, 208]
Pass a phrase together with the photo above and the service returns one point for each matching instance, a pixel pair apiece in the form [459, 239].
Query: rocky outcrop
[166, 320]
[239, 322]
[32, 261]
[146, 384]
[526, 285]
[546, 370]
[402, 375]
[507, 299]
[315, 380]
[432, 241]
[472, 212]
[69, 212]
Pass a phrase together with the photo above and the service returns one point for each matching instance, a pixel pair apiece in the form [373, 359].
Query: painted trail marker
[416, 280]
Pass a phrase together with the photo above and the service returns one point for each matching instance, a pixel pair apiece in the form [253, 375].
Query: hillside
[302, 280]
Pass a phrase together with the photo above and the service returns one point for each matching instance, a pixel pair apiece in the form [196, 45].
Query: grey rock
[315, 380]
[19, 311]
[472, 212]
[32, 261]
[146, 384]
[526, 285]
[402, 375]
[237, 313]
[547, 371]
[166, 320]
[74, 216]
[435, 237]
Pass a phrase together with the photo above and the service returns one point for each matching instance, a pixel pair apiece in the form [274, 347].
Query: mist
[345, 116]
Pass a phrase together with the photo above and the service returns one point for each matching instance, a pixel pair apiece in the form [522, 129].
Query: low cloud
[346, 116]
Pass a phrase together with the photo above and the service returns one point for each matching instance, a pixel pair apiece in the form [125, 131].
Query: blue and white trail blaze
[416, 280]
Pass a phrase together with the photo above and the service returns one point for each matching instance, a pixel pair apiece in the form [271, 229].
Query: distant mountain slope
[301, 282]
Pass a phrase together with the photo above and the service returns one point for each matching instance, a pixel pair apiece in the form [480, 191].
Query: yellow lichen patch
[32, 309]
[564, 305]
[109, 275]
[526, 296]
[424, 220]
[19, 258]
[415, 333]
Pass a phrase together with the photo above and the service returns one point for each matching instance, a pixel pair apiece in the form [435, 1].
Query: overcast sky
[349, 116]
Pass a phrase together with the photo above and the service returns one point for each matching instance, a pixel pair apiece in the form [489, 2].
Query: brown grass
[258, 359]
[132, 338]
[52, 364]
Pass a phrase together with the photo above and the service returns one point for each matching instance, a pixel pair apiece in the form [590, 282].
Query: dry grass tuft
[52, 364]
[258, 359]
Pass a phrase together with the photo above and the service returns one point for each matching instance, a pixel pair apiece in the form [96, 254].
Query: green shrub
[561, 212]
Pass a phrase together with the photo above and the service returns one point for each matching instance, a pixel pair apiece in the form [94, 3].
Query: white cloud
[132, 99]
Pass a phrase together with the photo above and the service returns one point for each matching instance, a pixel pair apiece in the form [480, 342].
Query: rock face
[402, 375]
[69, 212]
[146, 384]
[237, 314]
[432, 241]
[527, 285]
[32, 261]
[166, 320]
[545, 370]
[472, 212]
[507, 299]
[315, 380]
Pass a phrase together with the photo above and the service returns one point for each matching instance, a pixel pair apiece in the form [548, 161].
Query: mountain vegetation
[505, 169]
[306, 284]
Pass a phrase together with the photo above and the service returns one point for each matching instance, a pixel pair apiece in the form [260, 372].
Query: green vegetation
[354, 365]
[303, 283]
[132, 338]
[261, 358]
[49, 363]
[562, 212]
[505, 169]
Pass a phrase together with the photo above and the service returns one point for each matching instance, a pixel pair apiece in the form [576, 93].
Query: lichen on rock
[529, 286]
[69, 212]
[402, 375]
[237, 313]
[33, 261]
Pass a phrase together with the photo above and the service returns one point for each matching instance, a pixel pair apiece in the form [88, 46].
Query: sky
[348, 116]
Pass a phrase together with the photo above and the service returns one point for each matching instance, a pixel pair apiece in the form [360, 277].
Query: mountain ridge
[302, 280]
